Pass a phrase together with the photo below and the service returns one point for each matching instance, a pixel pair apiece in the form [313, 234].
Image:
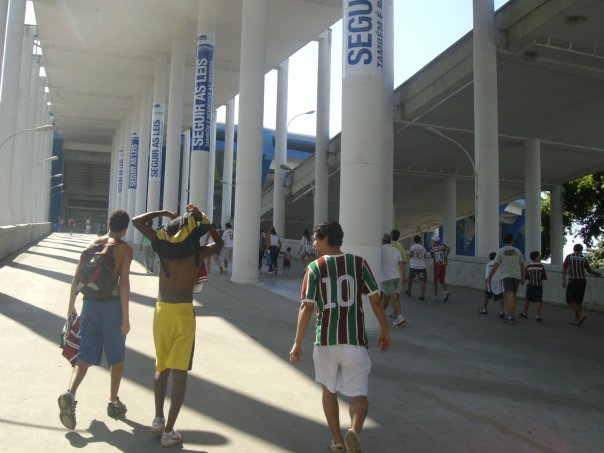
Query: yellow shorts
[174, 336]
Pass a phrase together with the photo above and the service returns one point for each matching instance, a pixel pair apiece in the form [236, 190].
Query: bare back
[178, 287]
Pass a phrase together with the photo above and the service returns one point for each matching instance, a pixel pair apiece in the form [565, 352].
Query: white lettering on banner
[202, 103]
[120, 170]
[157, 139]
[133, 161]
[364, 39]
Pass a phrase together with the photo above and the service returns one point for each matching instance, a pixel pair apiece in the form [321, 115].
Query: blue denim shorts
[101, 330]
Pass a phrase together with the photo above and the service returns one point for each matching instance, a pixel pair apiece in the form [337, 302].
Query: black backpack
[179, 239]
[95, 276]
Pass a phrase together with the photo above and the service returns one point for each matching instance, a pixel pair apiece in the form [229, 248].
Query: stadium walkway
[454, 381]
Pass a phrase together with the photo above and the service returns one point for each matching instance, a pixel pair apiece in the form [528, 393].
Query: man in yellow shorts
[174, 323]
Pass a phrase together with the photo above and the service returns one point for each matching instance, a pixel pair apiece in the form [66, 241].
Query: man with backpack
[177, 245]
[103, 276]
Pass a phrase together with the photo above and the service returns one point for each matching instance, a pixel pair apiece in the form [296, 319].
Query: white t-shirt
[227, 237]
[509, 259]
[417, 257]
[496, 287]
[274, 241]
[390, 259]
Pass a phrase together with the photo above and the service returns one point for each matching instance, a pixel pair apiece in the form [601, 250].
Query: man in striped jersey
[535, 274]
[333, 285]
[575, 266]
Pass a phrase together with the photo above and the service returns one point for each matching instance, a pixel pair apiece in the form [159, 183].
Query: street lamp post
[439, 134]
[45, 127]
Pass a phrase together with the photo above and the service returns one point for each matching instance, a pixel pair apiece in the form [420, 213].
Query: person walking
[307, 251]
[575, 267]
[174, 322]
[393, 273]
[417, 266]
[148, 253]
[104, 325]
[440, 256]
[227, 250]
[340, 356]
[535, 274]
[511, 262]
[274, 248]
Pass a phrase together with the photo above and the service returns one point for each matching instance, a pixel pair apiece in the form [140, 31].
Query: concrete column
[140, 204]
[112, 177]
[212, 169]
[119, 171]
[321, 196]
[156, 144]
[450, 214]
[227, 167]
[532, 196]
[32, 121]
[175, 108]
[24, 121]
[280, 149]
[133, 163]
[249, 143]
[556, 228]
[388, 115]
[3, 16]
[185, 171]
[8, 107]
[362, 157]
[202, 105]
[126, 137]
[486, 131]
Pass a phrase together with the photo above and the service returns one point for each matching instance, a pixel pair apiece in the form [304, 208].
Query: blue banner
[157, 141]
[133, 161]
[120, 170]
[202, 103]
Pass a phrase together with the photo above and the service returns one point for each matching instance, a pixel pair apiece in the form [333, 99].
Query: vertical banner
[157, 141]
[120, 171]
[133, 161]
[363, 37]
[202, 103]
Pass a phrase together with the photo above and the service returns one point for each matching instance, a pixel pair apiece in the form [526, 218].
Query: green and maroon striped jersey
[335, 285]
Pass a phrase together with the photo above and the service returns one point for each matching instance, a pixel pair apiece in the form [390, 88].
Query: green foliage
[596, 255]
[582, 208]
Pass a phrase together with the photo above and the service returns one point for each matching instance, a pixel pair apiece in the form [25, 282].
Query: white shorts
[342, 368]
[227, 253]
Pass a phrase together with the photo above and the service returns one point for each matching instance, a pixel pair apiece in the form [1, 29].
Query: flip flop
[581, 319]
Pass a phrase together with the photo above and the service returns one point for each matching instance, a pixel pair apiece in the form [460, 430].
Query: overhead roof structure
[550, 75]
[550, 54]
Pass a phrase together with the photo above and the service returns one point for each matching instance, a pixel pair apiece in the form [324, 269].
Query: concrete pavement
[454, 381]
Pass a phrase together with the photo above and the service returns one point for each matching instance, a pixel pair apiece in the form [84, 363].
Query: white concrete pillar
[32, 121]
[3, 16]
[146, 106]
[185, 171]
[126, 138]
[362, 157]
[160, 82]
[112, 177]
[212, 169]
[321, 195]
[450, 214]
[556, 228]
[280, 148]
[175, 108]
[486, 131]
[389, 116]
[227, 167]
[202, 105]
[532, 196]
[9, 100]
[249, 143]
[133, 163]
[24, 121]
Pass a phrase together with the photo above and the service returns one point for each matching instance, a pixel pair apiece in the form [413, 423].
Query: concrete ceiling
[99, 55]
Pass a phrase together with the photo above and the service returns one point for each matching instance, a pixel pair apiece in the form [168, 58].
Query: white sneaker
[170, 439]
[157, 426]
[400, 319]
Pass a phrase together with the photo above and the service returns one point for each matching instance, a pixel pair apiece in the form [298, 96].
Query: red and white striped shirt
[575, 263]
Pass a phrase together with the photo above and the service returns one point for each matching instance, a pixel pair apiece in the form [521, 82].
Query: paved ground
[454, 381]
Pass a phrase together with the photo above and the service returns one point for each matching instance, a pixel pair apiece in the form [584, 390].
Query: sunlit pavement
[454, 381]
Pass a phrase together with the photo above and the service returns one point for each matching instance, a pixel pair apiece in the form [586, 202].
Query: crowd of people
[332, 289]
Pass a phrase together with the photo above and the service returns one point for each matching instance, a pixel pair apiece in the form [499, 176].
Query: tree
[596, 255]
[582, 209]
